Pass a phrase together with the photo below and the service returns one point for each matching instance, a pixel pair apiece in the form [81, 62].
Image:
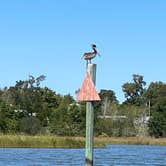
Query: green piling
[91, 69]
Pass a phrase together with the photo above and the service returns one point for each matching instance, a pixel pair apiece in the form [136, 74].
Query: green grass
[132, 140]
[22, 141]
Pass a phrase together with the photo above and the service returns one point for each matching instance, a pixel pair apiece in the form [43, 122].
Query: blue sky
[49, 37]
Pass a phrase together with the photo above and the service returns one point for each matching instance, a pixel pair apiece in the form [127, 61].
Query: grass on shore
[132, 140]
[22, 141]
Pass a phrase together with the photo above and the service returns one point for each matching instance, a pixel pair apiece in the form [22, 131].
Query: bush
[30, 125]
[157, 123]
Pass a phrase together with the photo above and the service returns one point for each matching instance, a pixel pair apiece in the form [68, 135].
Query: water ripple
[112, 155]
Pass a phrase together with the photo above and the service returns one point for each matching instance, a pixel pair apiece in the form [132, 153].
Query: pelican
[90, 55]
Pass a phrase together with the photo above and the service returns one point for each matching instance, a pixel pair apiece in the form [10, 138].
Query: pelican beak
[82, 57]
[98, 54]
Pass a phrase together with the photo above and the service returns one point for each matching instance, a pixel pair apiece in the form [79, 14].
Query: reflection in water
[113, 155]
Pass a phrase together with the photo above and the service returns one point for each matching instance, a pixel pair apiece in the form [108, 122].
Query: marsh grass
[22, 141]
[131, 140]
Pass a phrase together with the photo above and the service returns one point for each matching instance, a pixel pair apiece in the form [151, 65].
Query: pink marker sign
[88, 91]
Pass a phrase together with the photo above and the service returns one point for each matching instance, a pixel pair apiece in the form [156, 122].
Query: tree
[8, 122]
[27, 99]
[134, 91]
[107, 106]
[157, 123]
[68, 119]
[155, 92]
[156, 96]
[30, 125]
[108, 99]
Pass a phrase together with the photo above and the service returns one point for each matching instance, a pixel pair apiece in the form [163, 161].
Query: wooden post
[89, 94]
[91, 69]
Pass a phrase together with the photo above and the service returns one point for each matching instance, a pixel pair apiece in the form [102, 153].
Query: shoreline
[40, 141]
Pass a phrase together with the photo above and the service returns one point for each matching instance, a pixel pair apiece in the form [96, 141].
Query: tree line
[28, 108]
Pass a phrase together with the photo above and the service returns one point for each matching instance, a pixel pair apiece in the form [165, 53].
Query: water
[112, 155]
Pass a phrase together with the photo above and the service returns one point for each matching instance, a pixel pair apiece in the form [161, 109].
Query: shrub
[30, 125]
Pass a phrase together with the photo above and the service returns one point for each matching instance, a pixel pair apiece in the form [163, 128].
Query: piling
[91, 69]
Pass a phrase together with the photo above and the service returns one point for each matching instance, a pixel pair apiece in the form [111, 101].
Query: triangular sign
[88, 91]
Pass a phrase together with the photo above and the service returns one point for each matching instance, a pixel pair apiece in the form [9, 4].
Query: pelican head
[94, 48]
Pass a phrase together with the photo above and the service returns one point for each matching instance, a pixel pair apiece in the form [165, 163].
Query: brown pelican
[90, 55]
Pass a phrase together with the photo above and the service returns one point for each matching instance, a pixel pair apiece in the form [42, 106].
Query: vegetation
[22, 141]
[29, 109]
[134, 91]
[40, 141]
